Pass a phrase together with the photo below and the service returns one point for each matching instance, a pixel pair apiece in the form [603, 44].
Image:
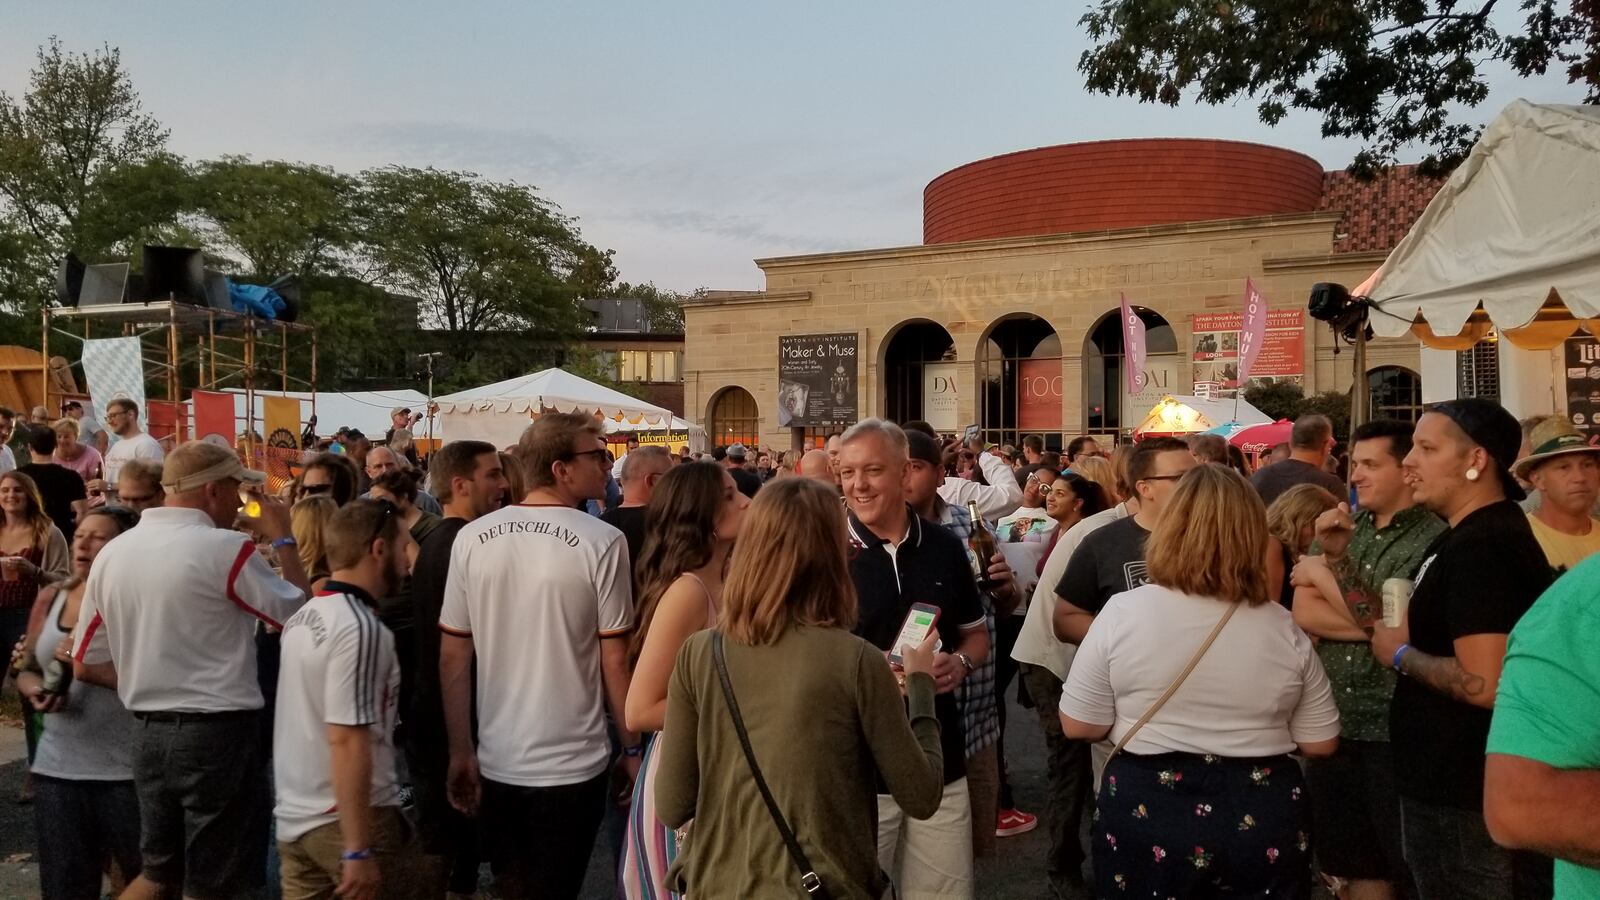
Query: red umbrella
[1259, 439]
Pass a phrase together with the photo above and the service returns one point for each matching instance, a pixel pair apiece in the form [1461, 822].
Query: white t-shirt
[1037, 644]
[140, 446]
[8, 460]
[338, 668]
[536, 588]
[1027, 526]
[1258, 691]
[174, 604]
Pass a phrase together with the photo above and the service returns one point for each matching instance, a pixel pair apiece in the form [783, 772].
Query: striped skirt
[649, 847]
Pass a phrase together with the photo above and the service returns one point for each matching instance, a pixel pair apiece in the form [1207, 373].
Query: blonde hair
[1099, 471]
[789, 565]
[1294, 509]
[400, 440]
[67, 426]
[308, 520]
[1211, 537]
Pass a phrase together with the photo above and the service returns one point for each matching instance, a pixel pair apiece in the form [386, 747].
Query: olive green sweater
[826, 720]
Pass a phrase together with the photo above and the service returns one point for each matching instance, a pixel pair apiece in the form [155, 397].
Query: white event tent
[500, 412]
[1514, 230]
[367, 411]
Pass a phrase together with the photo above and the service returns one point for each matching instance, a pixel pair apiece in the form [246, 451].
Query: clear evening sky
[691, 137]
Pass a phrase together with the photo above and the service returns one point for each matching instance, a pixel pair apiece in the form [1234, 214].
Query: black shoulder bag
[808, 876]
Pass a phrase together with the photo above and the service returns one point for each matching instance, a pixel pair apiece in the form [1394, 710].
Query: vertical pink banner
[1133, 346]
[1254, 332]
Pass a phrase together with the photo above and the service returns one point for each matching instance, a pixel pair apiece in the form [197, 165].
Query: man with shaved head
[818, 464]
[381, 459]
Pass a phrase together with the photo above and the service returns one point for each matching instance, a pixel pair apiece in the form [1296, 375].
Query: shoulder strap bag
[808, 876]
[1171, 688]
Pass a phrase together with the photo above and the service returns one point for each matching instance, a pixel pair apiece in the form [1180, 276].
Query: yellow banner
[282, 433]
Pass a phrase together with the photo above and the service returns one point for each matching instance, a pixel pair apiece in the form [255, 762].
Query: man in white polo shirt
[541, 592]
[338, 813]
[169, 619]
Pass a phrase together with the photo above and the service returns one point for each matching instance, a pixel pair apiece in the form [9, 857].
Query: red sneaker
[1012, 822]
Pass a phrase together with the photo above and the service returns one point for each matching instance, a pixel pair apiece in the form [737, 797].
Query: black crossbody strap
[808, 876]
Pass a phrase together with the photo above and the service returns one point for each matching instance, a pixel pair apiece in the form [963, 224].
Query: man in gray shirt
[1309, 443]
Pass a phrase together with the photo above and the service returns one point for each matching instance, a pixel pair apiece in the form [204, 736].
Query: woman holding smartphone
[690, 526]
[826, 717]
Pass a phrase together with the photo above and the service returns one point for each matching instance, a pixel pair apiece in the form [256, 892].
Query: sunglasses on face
[599, 456]
[311, 490]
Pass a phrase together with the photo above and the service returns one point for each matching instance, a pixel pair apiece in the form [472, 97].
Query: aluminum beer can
[1396, 598]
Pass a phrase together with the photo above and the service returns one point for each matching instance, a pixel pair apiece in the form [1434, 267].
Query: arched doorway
[906, 357]
[733, 418]
[1395, 392]
[1019, 381]
[1106, 406]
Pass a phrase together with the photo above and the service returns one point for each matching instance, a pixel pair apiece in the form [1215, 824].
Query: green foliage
[1287, 400]
[276, 217]
[1388, 72]
[664, 307]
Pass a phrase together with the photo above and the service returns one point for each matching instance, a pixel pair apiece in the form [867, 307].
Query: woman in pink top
[77, 456]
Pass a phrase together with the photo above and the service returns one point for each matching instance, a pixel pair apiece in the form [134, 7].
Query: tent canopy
[499, 412]
[1513, 230]
[367, 411]
[1177, 414]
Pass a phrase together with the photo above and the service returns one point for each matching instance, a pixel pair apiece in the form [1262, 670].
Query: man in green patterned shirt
[1337, 597]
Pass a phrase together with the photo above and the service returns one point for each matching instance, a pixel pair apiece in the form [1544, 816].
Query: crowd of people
[758, 674]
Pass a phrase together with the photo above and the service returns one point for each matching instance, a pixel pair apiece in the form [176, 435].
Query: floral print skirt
[1182, 825]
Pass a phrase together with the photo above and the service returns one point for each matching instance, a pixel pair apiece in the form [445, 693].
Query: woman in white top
[1204, 799]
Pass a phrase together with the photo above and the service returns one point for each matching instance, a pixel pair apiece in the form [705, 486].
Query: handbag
[808, 877]
[1171, 688]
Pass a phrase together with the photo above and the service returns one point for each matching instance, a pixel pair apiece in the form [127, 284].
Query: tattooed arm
[1471, 676]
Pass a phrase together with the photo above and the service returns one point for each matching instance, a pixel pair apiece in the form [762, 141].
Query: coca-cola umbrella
[1259, 439]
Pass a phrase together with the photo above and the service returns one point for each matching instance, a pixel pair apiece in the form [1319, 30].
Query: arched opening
[1395, 392]
[1107, 407]
[1019, 380]
[907, 392]
[733, 418]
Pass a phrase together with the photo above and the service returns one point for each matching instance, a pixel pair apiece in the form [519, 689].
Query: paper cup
[1396, 599]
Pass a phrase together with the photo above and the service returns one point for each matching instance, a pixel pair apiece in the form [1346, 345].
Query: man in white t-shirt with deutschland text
[122, 415]
[169, 620]
[540, 591]
[338, 811]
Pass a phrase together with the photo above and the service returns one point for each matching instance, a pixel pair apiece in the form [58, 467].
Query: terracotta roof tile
[1377, 213]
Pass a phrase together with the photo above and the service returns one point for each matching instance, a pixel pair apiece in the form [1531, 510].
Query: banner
[213, 418]
[1039, 395]
[1133, 347]
[1162, 376]
[115, 371]
[282, 431]
[816, 379]
[939, 397]
[1217, 344]
[1254, 330]
[1583, 383]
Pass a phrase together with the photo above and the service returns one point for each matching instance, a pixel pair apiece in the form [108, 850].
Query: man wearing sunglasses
[540, 593]
[169, 620]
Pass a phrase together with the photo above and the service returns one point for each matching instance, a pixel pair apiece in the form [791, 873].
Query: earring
[1472, 474]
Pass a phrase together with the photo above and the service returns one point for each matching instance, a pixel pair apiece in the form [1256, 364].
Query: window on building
[633, 365]
[734, 418]
[1396, 393]
[664, 366]
[1478, 370]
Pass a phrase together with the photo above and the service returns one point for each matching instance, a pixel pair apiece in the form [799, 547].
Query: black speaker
[1329, 301]
[176, 273]
[288, 287]
[103, 285]
[69, 280]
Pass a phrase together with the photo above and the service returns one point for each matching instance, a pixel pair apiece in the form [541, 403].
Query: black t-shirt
[427, 598]
[59, 486]
[1272, 480]
[929, 566]
[747, 482]
[630, 521]
[1480, 577]
[1109, 561]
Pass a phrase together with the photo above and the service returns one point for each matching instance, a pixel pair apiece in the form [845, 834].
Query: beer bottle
[981, 547]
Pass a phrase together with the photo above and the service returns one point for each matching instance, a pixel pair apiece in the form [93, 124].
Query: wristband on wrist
[283, 542]
[635, 750]
[1399, 655]
[356, 855]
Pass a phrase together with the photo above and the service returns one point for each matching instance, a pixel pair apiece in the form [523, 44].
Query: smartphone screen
[919, 622]
[971, 434]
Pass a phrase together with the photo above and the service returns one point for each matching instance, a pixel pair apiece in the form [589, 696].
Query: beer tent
[500, 412]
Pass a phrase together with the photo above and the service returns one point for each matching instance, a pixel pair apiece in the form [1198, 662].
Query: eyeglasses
[598, 455]
[311, 490]
[1162, 477]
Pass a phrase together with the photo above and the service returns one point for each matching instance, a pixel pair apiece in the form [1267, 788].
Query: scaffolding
[228, 350]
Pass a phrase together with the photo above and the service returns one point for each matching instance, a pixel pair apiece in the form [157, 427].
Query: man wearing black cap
[1475, 583]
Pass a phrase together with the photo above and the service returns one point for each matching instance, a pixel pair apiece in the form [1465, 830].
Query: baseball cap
[736, 451]
[198, 463]
[922, 448]
[400, 411]
[1489, 426]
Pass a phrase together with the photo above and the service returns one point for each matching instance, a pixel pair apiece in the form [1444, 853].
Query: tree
[481, 256]
[278, 218]
[1389, 72]
[664, 307]
[1287, 400]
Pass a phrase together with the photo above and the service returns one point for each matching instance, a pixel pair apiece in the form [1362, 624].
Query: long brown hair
[1211, 538]
[34, 515]
[680, 536]
[789, 568]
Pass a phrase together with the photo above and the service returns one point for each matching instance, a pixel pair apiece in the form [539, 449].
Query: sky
[689, 137]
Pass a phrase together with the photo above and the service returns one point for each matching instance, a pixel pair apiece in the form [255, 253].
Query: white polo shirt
[338, 668]
[174, 604]
[140, 446]
[536, 588]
